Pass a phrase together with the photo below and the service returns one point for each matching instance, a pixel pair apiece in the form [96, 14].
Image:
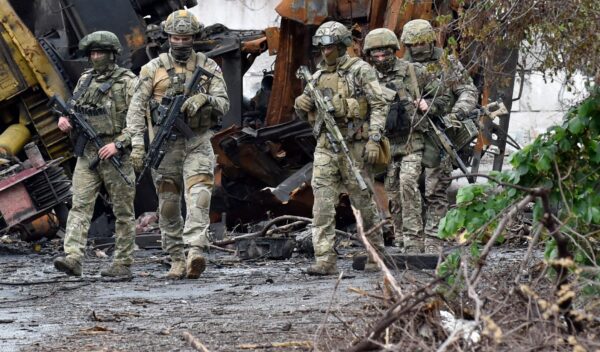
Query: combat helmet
[330, 33]
[100, 40]
[181, 22]
[417, 32]
[381, 38]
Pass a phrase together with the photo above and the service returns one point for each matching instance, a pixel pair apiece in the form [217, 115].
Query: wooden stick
[305, 344]
[194, 342]
[387, 275]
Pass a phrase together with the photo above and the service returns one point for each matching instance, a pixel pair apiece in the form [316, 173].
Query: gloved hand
[305, 103]
[372, 150]
[340, 105]
[193, 104]
[137, 158]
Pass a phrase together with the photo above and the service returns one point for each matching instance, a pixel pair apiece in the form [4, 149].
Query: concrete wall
[242, 14]
[542, 104]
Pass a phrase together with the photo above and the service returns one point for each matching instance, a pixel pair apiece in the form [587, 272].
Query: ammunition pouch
[100, 120]
[432, 155]
[385, 153]
[207, 117]
[154, 112]
[463, 133]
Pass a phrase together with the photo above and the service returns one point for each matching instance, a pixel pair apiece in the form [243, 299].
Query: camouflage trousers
[436, 200]
[332, 176]
[187, 169]
[402, 188]
[86, 184]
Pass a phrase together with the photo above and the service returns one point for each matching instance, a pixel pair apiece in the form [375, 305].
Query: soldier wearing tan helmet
[419, 38]
[187, 168]
[360, 114]
[405, 128]
[102, 93]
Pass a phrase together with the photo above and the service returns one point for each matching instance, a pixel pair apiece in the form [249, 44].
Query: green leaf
[576, 125]
[464, 195]
[490, 213]
[550, 250]
[543, 164]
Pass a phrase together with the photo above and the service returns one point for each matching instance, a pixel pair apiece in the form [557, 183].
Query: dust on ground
[233, 303]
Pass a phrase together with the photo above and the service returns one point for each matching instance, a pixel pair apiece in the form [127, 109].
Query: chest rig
[341, 82]
[169, 82]
[103, 101]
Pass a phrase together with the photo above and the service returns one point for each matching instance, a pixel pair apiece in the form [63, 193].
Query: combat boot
[322, 269]
[196, 264]
[433, 245]
[371, 266]
[412, 245]
[117, 270]
[177, 271]
[68, 265]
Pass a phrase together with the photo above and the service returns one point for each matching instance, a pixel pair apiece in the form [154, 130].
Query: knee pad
[200, 195]
[168, 192]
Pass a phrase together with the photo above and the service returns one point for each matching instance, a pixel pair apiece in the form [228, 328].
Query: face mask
[181, 52]
[101, 63]
[383, 60]
[331, 57]
[421, 52]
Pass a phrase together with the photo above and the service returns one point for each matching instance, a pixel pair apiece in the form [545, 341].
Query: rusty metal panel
[353, 8]
[16, 204]
[306, 11]
[294, 45]
[272, 34]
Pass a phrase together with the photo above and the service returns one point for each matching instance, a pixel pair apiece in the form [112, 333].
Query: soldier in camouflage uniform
[405, 128]
[419, 38]
[360, 114]
[188, 165]
[104, 89]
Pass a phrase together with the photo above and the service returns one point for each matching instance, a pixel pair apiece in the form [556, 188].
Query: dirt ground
[233, 303]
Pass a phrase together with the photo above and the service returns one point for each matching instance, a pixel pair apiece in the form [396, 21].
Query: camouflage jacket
[154, 82]
[357, 80]
[450, 71]
[104, 98]
[430, 89]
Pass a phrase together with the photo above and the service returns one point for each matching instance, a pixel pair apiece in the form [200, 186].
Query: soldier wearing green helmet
[102, 93]
[360, 114]
[188, 166]
[405, 128]
[419, 38]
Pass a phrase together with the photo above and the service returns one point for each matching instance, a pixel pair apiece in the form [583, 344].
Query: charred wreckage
[264, 153]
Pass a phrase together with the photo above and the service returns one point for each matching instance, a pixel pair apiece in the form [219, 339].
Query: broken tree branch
[304, 344]
[387, 275]
[194, 342]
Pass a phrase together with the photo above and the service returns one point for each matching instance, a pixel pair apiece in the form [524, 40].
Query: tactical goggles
[324, 40]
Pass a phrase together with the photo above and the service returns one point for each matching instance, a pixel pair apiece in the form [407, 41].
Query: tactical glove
[304, 103]
[372, 150]
[193, 104]
[137, 158]
[340, 105]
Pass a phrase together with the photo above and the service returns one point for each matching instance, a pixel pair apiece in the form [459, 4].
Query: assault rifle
[332, 133]
[86, 133]
[442, 141]
[170, 117]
